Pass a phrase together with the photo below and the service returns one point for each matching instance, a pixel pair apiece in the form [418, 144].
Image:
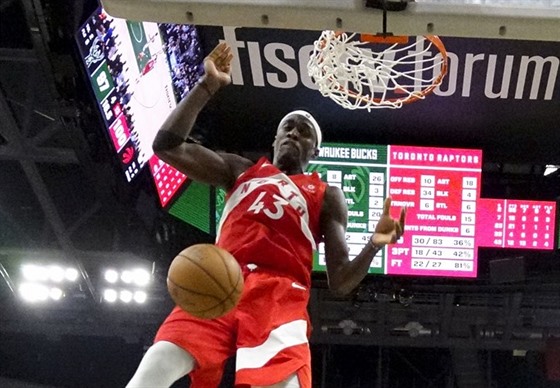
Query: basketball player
[273, 220]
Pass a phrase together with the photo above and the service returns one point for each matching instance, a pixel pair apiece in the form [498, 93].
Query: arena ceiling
[63, 193]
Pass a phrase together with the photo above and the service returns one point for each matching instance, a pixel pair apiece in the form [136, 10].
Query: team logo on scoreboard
[128, 155]
[95, 52]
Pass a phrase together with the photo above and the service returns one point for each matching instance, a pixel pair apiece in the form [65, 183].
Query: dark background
[64, 195]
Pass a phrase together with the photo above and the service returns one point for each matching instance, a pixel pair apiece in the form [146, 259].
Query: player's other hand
[217, 67]
[388, 230]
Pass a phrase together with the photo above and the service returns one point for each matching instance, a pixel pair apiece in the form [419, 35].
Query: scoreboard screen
[447, 221]
[138, 72]
[521, 224]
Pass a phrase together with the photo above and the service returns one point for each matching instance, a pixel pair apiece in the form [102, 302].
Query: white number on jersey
[278, 211]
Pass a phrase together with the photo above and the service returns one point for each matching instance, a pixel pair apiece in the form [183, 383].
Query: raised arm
[345, 275]
[197, 162]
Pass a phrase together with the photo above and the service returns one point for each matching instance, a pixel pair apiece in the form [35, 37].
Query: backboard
[507, 19]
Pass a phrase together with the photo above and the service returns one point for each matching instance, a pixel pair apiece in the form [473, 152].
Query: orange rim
[389, 39]
[380, 38]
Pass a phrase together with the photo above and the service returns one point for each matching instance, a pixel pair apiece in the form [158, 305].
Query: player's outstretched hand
[388, 230]
[217, 67]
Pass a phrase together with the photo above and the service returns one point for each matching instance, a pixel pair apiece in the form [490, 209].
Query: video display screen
[139, 71]
[447, 221]
[507, 223]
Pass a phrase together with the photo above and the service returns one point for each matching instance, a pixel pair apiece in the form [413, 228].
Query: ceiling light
[141, 277]
[140, 297]
[111, 276]
[33, 272]
[125, 296]
[127, 276]
[33, 292]
[71, 274]
[110, 295]
[550, 169]
[56, 293]
[56, 273]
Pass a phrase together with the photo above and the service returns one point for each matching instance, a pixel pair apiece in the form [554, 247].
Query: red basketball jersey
[272, 220]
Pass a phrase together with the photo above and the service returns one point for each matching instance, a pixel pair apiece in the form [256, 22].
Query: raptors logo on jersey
[263, 202]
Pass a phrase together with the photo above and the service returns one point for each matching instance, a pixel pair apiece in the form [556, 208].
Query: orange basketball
[204, 280]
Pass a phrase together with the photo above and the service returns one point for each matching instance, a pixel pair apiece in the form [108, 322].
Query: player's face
[295, 141]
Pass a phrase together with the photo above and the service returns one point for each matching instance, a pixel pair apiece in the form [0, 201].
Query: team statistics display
[447, 221]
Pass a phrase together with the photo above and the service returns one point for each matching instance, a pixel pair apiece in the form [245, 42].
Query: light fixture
[110, 295]
[125, 296]
[111, 276]
[141, 277]
[138, 276]
[33, 292]
[48, 273]
[32, 272]
[140, 297]
[127, 276]
[56, 273]
[43, 282]
[348, 326]
[71, 274]
[56, 293]
[550, 169]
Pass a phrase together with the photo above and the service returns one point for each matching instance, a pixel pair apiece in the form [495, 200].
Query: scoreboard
[517, 224]
[447, 221]
[138, 72]
[131, 83]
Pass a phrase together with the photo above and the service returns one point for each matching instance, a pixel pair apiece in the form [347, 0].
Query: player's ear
[316, 153]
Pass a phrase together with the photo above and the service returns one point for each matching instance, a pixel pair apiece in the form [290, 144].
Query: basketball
[205, 281]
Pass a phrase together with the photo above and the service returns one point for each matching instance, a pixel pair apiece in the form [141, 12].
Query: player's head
[298, 139]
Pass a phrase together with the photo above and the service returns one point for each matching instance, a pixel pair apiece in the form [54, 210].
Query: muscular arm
[197, 162]
[343, 275]
[204, 165]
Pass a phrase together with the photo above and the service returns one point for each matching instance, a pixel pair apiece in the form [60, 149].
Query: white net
[349, 72]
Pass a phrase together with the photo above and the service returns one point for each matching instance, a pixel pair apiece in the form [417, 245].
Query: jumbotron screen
[139, 71]
[447, 221]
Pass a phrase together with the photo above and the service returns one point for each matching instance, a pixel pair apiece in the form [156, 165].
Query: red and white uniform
[271, 226]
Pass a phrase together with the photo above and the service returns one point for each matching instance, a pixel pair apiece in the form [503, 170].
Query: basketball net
[348, 70]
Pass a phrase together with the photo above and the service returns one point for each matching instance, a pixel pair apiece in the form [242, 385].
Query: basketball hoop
[347, 69]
